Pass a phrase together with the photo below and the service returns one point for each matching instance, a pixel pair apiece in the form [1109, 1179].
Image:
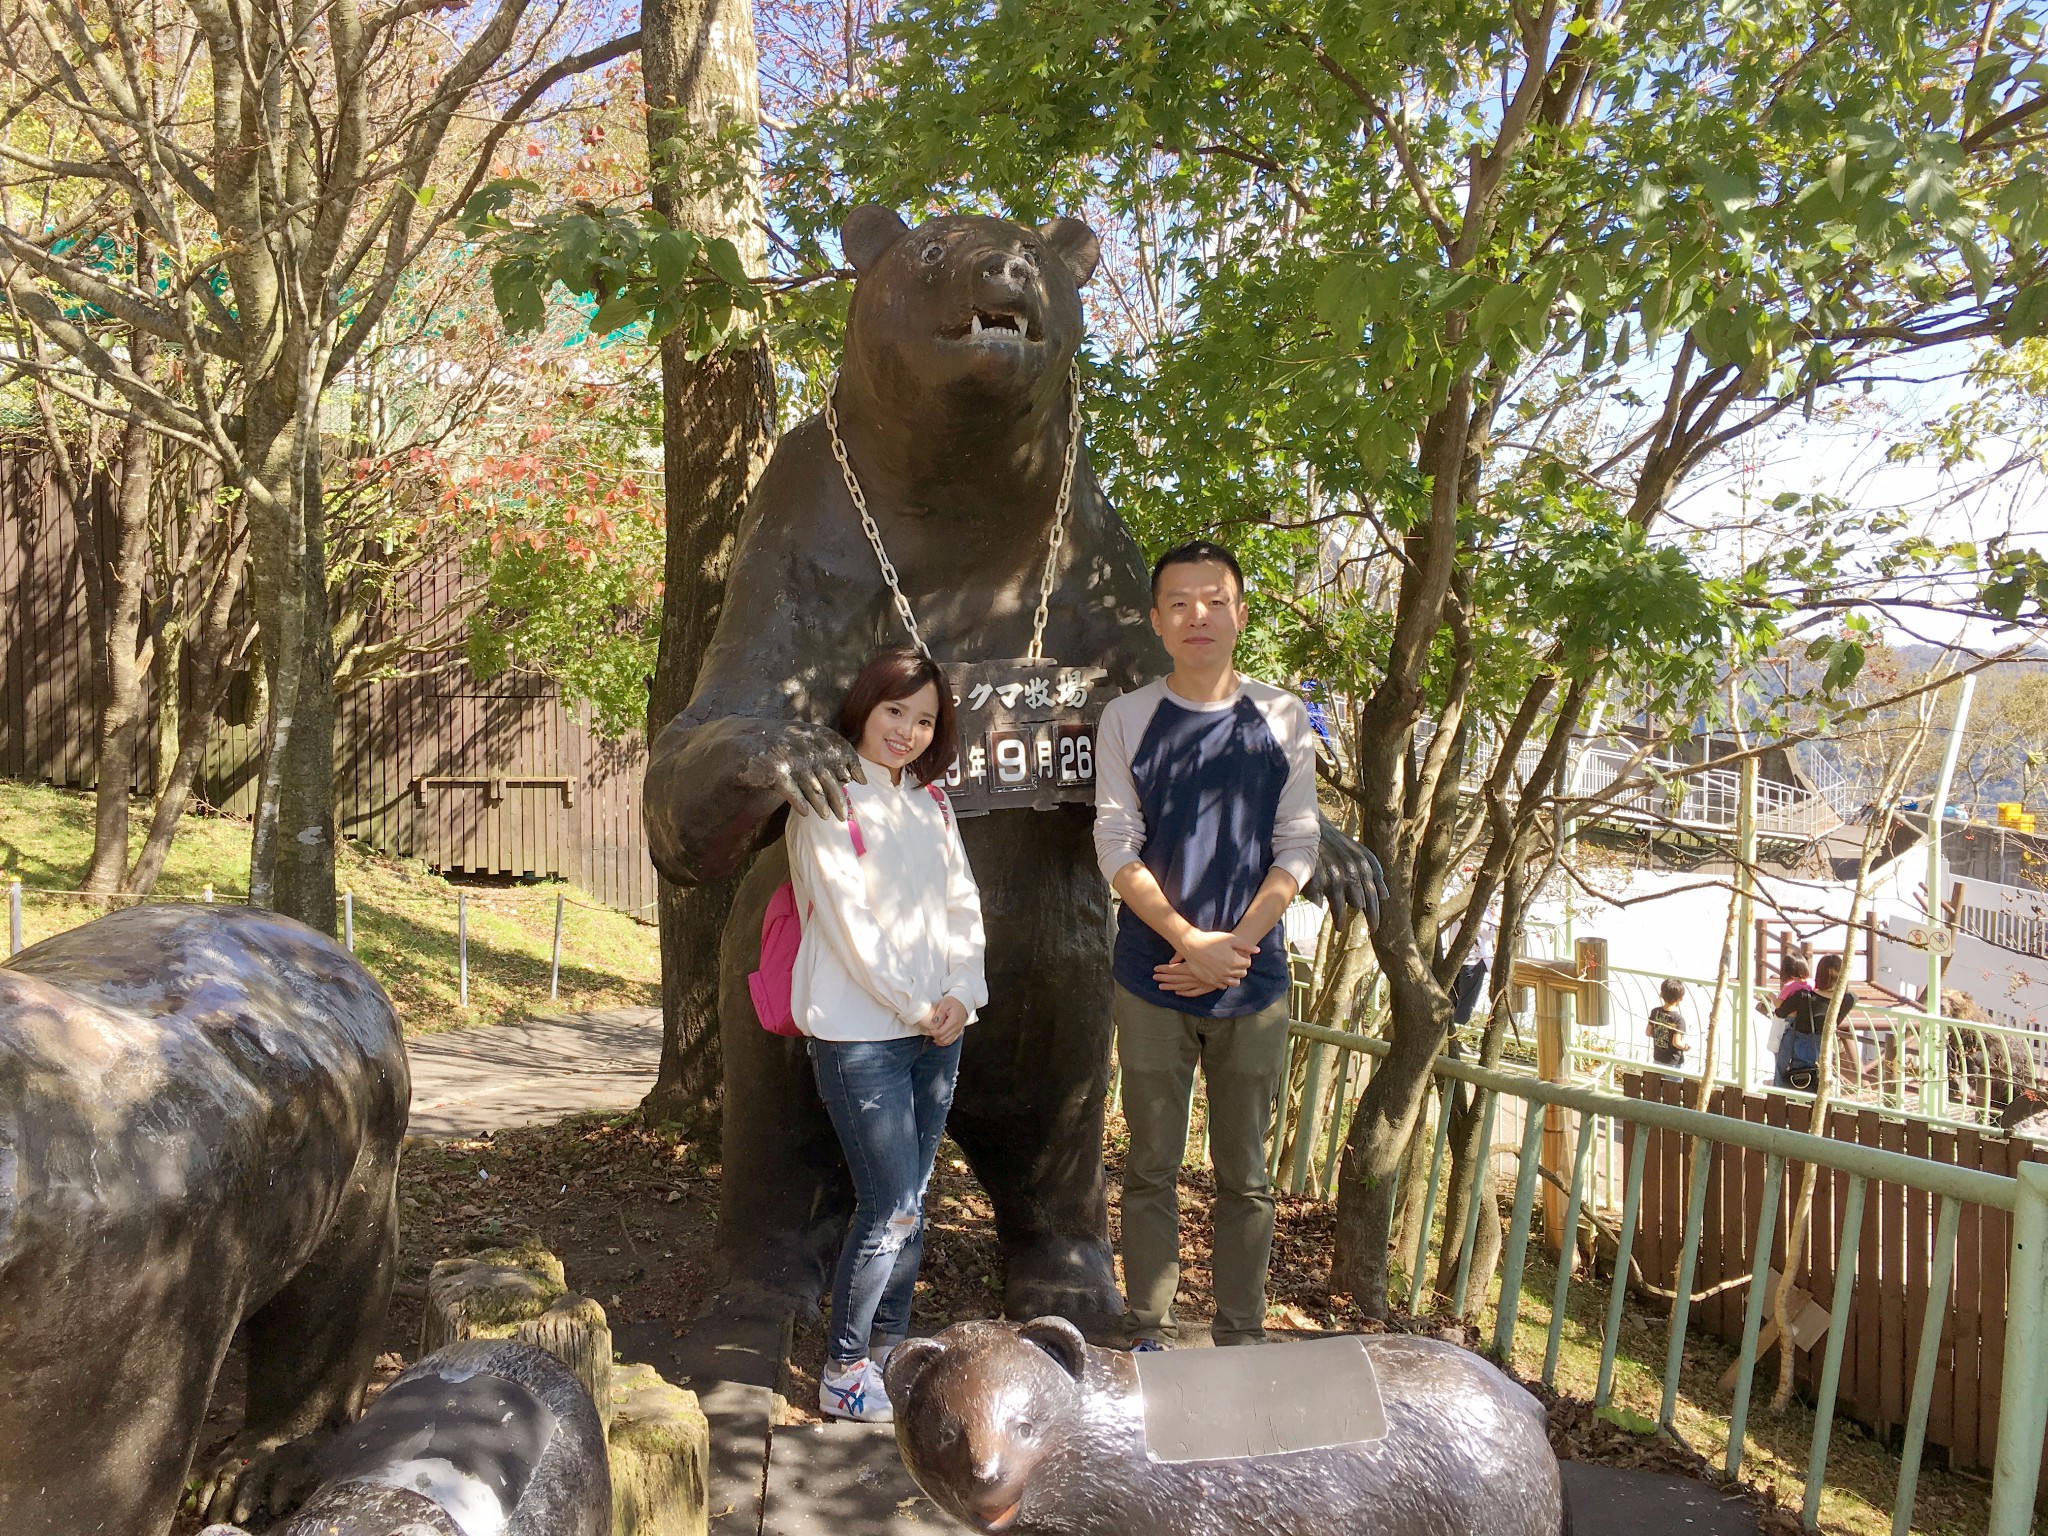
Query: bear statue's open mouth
[993, 325]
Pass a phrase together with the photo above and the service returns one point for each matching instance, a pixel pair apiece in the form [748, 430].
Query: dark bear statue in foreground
[488, 1435]
[953, 406]
[200, 1116]
[1030, 1430]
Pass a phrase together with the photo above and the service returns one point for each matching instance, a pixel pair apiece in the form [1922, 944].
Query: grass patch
[405, 915]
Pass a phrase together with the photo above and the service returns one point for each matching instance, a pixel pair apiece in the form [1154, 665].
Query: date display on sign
[1075, 754]
[1027, 734]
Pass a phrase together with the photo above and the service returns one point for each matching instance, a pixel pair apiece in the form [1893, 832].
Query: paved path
[821, 1480]
[496, 1076]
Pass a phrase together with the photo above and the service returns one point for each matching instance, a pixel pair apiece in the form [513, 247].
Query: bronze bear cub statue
[1030, 1430]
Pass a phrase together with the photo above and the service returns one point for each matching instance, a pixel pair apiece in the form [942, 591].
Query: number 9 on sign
[1076, 755]
[1011, 760]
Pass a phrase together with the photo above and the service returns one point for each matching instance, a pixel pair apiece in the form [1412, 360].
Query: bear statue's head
[963, 308]
[981, 1407]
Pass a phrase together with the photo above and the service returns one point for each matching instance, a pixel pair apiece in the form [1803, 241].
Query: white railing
[1666, 792]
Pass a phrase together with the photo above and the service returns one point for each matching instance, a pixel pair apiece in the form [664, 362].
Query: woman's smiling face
[898, 730]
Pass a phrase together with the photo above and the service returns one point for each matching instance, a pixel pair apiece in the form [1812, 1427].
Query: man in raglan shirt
[1205, 826]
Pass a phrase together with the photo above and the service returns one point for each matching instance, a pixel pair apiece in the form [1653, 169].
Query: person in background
[1805, 1012]
[1667, 1025]
[888, 976]
[1469, 985]
[1205, 826]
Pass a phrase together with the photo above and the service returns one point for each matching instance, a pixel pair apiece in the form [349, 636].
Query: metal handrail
[1972, 1184]
[2023, 1401]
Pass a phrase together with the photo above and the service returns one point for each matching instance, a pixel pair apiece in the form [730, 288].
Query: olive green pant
[1241, 1059]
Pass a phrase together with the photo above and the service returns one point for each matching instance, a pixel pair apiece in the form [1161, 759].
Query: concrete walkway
[496, 1076]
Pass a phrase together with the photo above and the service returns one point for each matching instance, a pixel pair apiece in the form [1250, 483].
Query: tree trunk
[291, 854]
[215, 640]
[718, 419]
[125, 546]
[1380, 1130]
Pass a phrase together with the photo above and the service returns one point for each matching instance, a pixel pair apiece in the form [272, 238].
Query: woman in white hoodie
[887, 977]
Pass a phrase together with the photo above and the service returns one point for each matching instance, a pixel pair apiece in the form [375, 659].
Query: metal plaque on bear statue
[1027, 734]
[1227, 1404]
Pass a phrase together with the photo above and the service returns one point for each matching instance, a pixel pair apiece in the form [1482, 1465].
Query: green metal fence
[2023, 1402]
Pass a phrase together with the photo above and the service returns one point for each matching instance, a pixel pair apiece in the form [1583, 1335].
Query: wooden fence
[497, 778]
[1890, 1298]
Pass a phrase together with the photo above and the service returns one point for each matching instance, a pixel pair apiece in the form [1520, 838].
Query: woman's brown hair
[897, 675]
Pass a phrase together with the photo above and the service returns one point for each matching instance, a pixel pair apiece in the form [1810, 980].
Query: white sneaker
[855, 1393]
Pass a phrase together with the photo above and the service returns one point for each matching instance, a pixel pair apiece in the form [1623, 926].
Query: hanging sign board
[1027, 734]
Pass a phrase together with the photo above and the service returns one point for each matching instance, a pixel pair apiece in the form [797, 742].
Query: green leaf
[725, 261]
[490, 200]
[2027, 315]
[516, 290]
[1343, 297]
[615, 313]
[670, 255]
[1929, 189]
[1504, 306]
[1626, 1418]
[1729, 193]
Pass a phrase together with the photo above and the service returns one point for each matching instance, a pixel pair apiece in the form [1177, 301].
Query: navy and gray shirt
[1210, 798]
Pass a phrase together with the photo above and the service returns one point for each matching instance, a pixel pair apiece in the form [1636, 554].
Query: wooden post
[521, 1293]
[660, 1456]
[1550, 1067]
[555, 968]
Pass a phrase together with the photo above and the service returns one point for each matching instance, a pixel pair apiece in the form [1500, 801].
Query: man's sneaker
[1147, 1346]
[854, 1392]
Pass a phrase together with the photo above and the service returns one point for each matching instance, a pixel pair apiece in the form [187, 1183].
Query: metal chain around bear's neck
[1054, 542]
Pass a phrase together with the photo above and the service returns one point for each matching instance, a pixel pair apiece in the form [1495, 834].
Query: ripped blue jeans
[888, 1101]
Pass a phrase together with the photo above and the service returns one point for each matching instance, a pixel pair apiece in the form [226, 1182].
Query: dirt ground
[631, 1212]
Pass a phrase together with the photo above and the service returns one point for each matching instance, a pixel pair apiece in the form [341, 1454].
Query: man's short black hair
[1197, 552]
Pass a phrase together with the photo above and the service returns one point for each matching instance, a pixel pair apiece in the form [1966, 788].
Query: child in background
[1667, 1025]
[1792, 978]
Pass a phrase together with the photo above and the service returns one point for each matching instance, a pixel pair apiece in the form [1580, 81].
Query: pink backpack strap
[945, 805]
[860, 844]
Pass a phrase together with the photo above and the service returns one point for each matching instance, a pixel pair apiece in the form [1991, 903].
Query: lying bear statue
[200, 1115]
[485, 1438]
[1031, 1430]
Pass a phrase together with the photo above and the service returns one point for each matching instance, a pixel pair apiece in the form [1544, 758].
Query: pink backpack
[782, 931]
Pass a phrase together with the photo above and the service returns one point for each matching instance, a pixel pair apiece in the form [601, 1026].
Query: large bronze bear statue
[953, 407]
[200, 1116]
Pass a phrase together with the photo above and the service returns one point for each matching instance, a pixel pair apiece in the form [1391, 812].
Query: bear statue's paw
[1096, 1307]
[258, 1477]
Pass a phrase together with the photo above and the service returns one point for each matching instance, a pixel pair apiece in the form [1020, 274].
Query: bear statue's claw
[259, 1477]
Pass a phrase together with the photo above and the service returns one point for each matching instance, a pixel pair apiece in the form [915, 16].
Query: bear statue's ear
[907, 1362]
[1058, 1338]
[868, 231]
[1077, 246]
